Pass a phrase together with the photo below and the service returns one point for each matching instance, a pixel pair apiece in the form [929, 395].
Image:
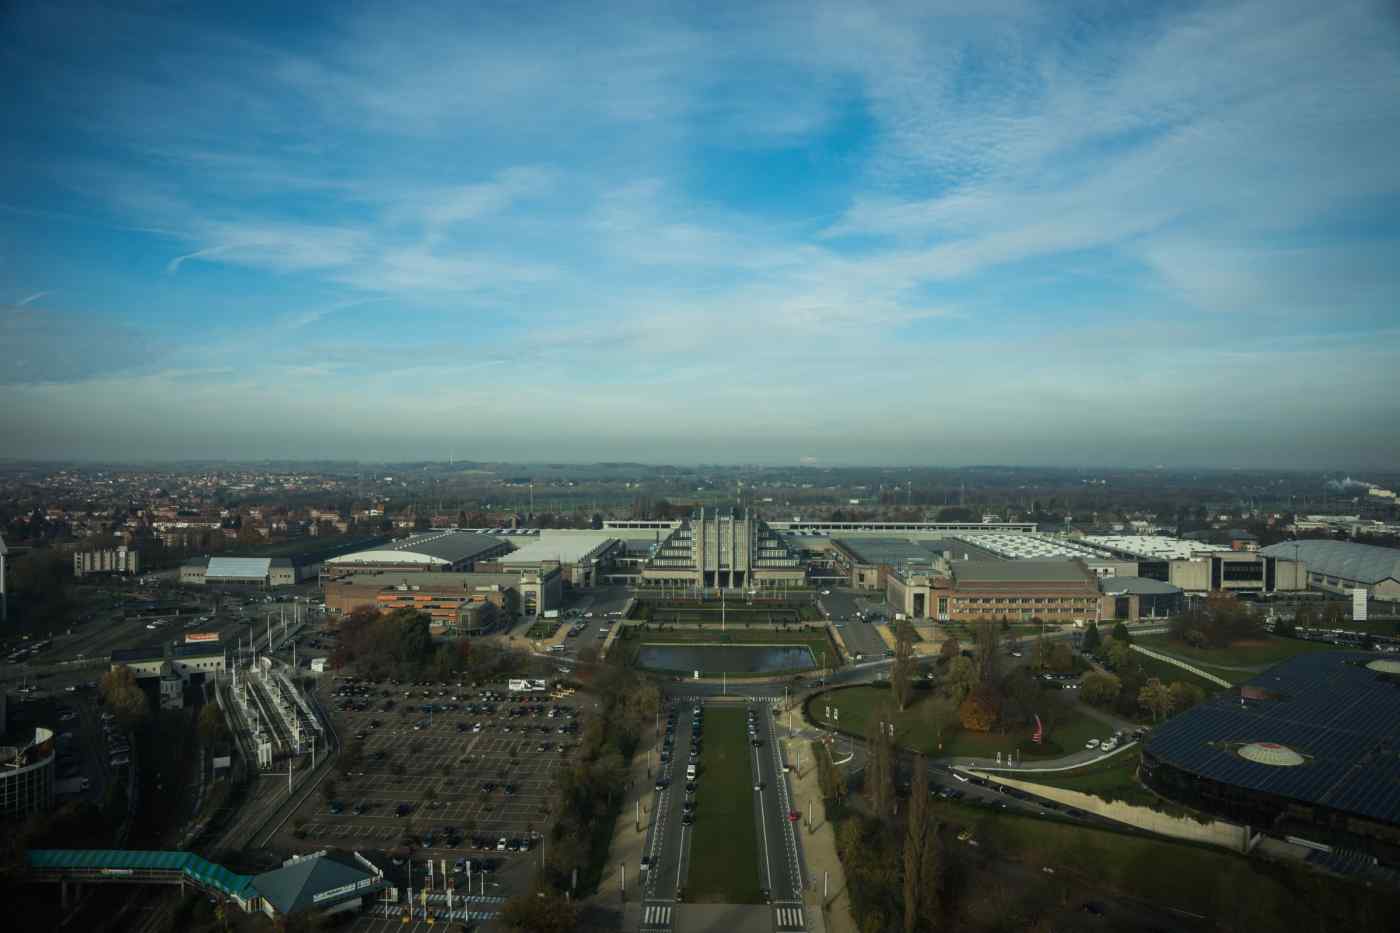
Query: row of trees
[895, 869]
[1126, 687]
[1222, 621]
[589, 795]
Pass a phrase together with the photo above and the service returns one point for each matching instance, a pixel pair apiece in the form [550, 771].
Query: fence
[1177, 662]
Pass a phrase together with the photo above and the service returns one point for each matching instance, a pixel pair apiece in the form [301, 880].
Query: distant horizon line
[178, 461]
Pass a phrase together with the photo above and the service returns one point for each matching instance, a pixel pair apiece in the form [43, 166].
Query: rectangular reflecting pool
[729, 659]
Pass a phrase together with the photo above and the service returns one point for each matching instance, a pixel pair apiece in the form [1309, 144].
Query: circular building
[1308, 749]
[26, 776]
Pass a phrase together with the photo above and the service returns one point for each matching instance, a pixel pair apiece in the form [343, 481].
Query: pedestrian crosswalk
[788, 919]
[656, 918]
[418, 913]
[728, 698]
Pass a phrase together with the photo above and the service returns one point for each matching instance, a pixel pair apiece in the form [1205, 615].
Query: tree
[879, 767]
[961, 678]
[540, 913]
[950, 648]
[988, 653]
[916, 836]
[1305, 617]
[125, 699]
[940, 713]
[902, 671]
[1091, 641]
[1062, 658]
[1101, 689]
[1156, 697]
[1120, 633]
[981, 710]
[1185, 696]
[1285, 628]
[1120, 656]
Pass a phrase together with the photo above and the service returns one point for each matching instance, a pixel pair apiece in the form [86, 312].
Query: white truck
[521, 685]
[551, 613]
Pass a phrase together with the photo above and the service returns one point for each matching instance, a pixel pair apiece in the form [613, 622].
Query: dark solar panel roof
[1343, 718]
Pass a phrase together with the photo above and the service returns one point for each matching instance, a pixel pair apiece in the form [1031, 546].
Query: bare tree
[988, 654]
[915, 838]
[902, 671]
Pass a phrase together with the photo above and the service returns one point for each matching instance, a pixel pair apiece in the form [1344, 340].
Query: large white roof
[567, 548]
[240, 568]
[1360, 563]
[1161, 547]
[430, 549]
[1026, 545]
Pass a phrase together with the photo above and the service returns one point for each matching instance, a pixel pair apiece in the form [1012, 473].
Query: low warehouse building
[191, 663]
[1343, 566]
[438, 552]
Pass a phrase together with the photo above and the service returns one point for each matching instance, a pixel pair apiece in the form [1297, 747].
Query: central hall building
[724, 549]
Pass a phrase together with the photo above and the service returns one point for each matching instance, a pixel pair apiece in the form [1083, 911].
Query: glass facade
[26, 778]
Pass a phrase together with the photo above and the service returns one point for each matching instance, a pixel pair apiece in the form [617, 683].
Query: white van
[690, 772]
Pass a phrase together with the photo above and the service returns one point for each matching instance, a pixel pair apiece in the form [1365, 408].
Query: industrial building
[724, 549]
[121, 559]
[583, 558]
[270, 570]
[1306, 749]
[191, 663]
[1200, 569]
[1134, 598]
[438, 551]
[27, 776]
[255, 571]
[1343, 566]
[1027, 545]
[867, 562]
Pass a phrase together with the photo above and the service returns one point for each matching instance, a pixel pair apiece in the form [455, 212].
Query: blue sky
[1043, 233]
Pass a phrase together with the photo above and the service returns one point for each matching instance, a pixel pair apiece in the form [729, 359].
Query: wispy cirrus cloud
[719, 204]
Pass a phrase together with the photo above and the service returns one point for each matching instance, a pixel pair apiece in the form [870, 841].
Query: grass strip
[724, 847]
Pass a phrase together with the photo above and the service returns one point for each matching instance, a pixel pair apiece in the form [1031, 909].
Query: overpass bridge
[77, 867]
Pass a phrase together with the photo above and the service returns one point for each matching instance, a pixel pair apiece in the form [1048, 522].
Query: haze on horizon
[1038, 233]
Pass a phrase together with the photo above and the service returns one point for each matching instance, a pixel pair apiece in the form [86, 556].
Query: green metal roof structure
[200, 871]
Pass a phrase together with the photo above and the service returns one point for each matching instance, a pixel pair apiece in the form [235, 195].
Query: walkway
[138, 867]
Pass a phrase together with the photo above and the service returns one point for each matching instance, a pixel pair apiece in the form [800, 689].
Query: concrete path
[819, 848]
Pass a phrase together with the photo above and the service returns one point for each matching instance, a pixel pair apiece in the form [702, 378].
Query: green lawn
[1188, 877]
[1171, 674]
[1265, 650]
[1114, 779]
[856, 705]
[724, 848]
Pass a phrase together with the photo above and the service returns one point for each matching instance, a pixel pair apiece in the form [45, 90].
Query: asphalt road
[668, 840]
[778, 838]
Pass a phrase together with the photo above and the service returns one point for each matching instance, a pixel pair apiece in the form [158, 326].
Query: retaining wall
[1214, 832]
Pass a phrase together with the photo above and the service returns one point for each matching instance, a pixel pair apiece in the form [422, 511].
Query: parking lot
[473, 775]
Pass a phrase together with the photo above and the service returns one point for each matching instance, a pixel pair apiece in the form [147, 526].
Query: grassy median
[914, 730]
[724, 848]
